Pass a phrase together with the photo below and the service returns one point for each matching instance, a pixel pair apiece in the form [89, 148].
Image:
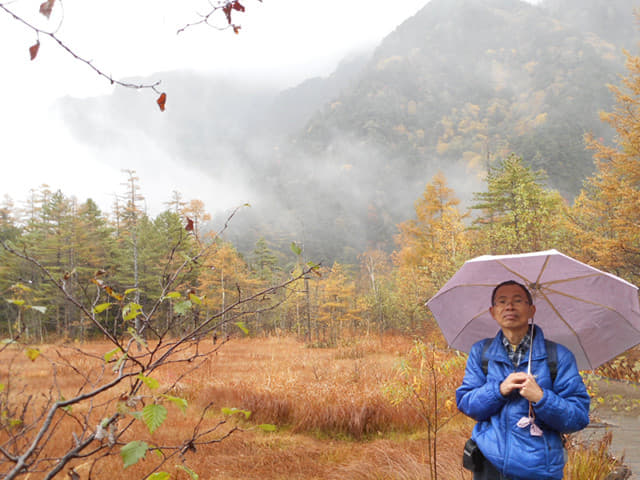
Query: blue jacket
[564, 408]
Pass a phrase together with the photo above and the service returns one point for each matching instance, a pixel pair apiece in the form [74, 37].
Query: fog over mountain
[335, 163]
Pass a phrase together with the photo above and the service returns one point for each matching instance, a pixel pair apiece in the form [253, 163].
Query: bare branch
[70, 51]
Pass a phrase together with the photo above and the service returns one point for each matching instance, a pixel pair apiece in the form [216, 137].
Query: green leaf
[32, 353]
[131, 310]
[1, 387]
[38, 309]
[181, 403]
[195, 299]
[16, 302]
[109, 355]
[234, 411]
[153, 416]
[267, 427]
[152, 383]
[130, 290]
[117, 365]
[159, 476]
[101, 308]
[172, 295]
[132, 452]
[182, 307]
[137, 337]
[191, 473]
[242, 327]
[295, 248]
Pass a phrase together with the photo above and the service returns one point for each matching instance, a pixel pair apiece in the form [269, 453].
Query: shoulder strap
[552, 358]
[485, 360]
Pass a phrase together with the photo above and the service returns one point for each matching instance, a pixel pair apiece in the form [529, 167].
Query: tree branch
[70, 51]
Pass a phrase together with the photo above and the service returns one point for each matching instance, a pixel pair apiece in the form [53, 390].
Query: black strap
[552, 357]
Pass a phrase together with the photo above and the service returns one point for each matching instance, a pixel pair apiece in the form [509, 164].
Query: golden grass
[334, 420]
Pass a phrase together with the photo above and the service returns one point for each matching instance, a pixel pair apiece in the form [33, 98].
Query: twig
[53, 36]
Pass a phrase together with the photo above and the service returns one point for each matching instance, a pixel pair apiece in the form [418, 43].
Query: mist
[335, 161]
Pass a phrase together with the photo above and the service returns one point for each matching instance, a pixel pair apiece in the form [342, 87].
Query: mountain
[337, 162]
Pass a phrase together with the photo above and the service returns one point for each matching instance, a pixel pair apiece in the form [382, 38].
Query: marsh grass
[333, 419]
[591, 460]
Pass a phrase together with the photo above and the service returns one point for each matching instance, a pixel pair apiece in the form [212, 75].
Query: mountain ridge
[336, 162]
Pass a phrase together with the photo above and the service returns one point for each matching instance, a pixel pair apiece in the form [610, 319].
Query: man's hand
[526, 384]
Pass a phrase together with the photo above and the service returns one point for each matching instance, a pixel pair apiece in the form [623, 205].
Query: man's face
[511, 309]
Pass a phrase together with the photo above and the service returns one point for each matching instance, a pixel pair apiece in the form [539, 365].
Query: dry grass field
[333, 415]
[333, 418]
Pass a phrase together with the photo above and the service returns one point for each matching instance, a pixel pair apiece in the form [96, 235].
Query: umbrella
[594, 314]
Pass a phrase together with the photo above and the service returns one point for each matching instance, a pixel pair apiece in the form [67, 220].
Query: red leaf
[236, 6]
[236, 29]
[33, 49]
[227, 11]
[162, 99]
[189, 227]
[46, 7]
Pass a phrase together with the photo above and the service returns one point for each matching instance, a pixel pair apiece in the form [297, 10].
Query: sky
[282, 41]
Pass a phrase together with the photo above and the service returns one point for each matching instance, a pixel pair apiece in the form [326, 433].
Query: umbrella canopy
[594, 314]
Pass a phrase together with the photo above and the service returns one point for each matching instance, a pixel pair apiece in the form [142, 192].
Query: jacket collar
[497, 350]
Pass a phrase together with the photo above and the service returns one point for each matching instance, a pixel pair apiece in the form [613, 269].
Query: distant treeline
[61, 256]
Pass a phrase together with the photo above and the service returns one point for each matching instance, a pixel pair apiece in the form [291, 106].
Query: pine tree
[517, 212]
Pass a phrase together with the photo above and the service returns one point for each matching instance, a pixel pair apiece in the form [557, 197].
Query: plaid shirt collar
[517, 355]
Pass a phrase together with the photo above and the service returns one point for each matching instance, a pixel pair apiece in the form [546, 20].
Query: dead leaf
[162, 99]
[33, 49]
[46, 7]
[189, 227]
[236, 29]
[227, 11]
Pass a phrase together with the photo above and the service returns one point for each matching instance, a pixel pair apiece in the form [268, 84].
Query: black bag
[472, 457]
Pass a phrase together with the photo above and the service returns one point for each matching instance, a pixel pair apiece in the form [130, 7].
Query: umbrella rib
[584, 300]
[468, 323]
[544, 266]
[575, 334]
[506, 267]
[572, 279]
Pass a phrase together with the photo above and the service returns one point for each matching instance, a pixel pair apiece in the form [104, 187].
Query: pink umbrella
[594, 314]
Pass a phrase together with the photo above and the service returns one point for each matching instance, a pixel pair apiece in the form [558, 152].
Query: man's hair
[511, 282]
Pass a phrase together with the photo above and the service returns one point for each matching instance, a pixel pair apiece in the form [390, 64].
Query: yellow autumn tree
[338, 308]
[225, 280]
[607, 213]
[431, 248]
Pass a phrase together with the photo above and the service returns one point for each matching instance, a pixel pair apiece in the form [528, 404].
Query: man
[521, 416]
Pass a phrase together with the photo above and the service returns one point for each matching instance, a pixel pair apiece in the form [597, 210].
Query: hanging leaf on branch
[33, 50]
[162, 100]
[46, 7]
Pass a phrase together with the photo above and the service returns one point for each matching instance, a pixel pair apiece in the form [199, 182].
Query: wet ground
[618, 411]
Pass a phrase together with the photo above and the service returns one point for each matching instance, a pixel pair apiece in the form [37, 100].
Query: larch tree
[338, 308]
[431, 247]
[607, 213]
